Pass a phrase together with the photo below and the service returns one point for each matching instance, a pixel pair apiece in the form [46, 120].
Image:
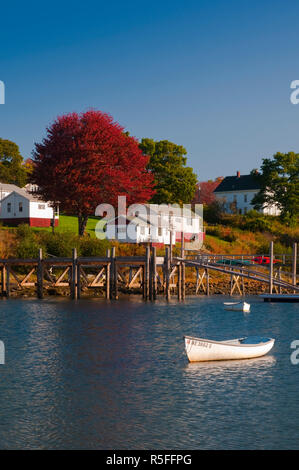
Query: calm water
[97, 375]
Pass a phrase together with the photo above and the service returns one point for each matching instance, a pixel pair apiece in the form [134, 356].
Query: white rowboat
[237, 306]
[199, 349]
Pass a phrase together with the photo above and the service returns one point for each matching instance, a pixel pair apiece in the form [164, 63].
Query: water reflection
[99, 375]
[220, 367]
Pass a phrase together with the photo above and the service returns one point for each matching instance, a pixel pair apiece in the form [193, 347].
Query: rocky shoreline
[216, 287]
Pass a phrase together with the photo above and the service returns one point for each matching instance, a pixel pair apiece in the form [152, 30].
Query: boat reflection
[223, 367]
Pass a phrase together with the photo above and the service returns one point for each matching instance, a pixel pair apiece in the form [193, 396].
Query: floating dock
[280, 297]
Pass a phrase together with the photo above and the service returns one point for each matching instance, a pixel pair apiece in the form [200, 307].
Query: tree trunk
[53, 221]
[82, 222]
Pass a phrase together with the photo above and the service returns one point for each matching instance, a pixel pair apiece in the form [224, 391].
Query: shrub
[214, 231]
[212, 213]
[27, 245]
[27, 248]
[257, 224]
[93, 247]
[59, 244]
[24, 231]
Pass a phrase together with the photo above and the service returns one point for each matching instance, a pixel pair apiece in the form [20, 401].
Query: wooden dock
[149, 274]
[280, 297]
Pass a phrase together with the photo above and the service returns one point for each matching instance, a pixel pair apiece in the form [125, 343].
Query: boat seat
[254, 340]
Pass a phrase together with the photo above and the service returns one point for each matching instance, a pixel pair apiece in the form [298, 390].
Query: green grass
[67, 223]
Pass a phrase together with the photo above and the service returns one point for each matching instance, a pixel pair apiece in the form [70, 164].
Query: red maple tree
[86, 159]
[205, 191]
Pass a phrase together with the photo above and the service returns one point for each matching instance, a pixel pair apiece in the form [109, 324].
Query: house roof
[238, 183]
[122, 220]
[8, 187]
[169, 209]
[23, 193]
[12, 188]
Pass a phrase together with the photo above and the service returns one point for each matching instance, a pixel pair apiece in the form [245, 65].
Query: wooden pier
[149, 274]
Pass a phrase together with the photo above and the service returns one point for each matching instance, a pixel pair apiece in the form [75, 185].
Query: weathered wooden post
[294, 266]
[78, 280]
[242, 282]
[179, 268]
[208, 281]
[147, 272]
[7, 280]
[170, 248]
[167, 273]
[115, 280]
[40, 274]
[74, 292]
[154, 272]
[112, 273]
[3, 280]
[183, 267]
[151, 276]
[279, 278]
[143, 281]
[108, 274]
[115, 276]
[271, 268]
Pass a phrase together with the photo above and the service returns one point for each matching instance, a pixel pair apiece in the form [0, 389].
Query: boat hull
[237, 307]
[198, 349]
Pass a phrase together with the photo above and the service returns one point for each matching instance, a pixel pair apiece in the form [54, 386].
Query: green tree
[12, 169]
[279, 183]
[175, 182]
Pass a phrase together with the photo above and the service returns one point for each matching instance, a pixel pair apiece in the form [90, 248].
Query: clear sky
[213, 76]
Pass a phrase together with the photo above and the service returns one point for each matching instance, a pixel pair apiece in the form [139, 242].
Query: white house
[156, 224]
[236, 194]
[6, 189]
[19, 206]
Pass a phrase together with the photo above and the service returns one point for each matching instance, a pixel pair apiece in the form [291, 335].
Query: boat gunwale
[235, 303]
[230, 344]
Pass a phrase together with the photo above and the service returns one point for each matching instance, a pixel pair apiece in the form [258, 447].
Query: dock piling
[271, 268]
[294, 265]
[74, 278]
[40, 274]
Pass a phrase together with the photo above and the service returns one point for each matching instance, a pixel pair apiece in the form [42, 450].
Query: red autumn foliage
[204, 192]
[86, 159]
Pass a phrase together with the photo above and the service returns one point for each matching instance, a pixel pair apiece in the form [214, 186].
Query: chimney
[238, 174]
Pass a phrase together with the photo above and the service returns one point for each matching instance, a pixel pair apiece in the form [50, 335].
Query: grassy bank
[249, 234]
[237, 234]
[67, 223]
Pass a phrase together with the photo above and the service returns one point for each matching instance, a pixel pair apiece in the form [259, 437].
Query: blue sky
[213, 76]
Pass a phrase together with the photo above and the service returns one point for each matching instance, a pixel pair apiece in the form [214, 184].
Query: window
[245, 197]
[235, 198]
[159, 231]
[9, 207]
[142, 230]
[20, 207]
[41, 206]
